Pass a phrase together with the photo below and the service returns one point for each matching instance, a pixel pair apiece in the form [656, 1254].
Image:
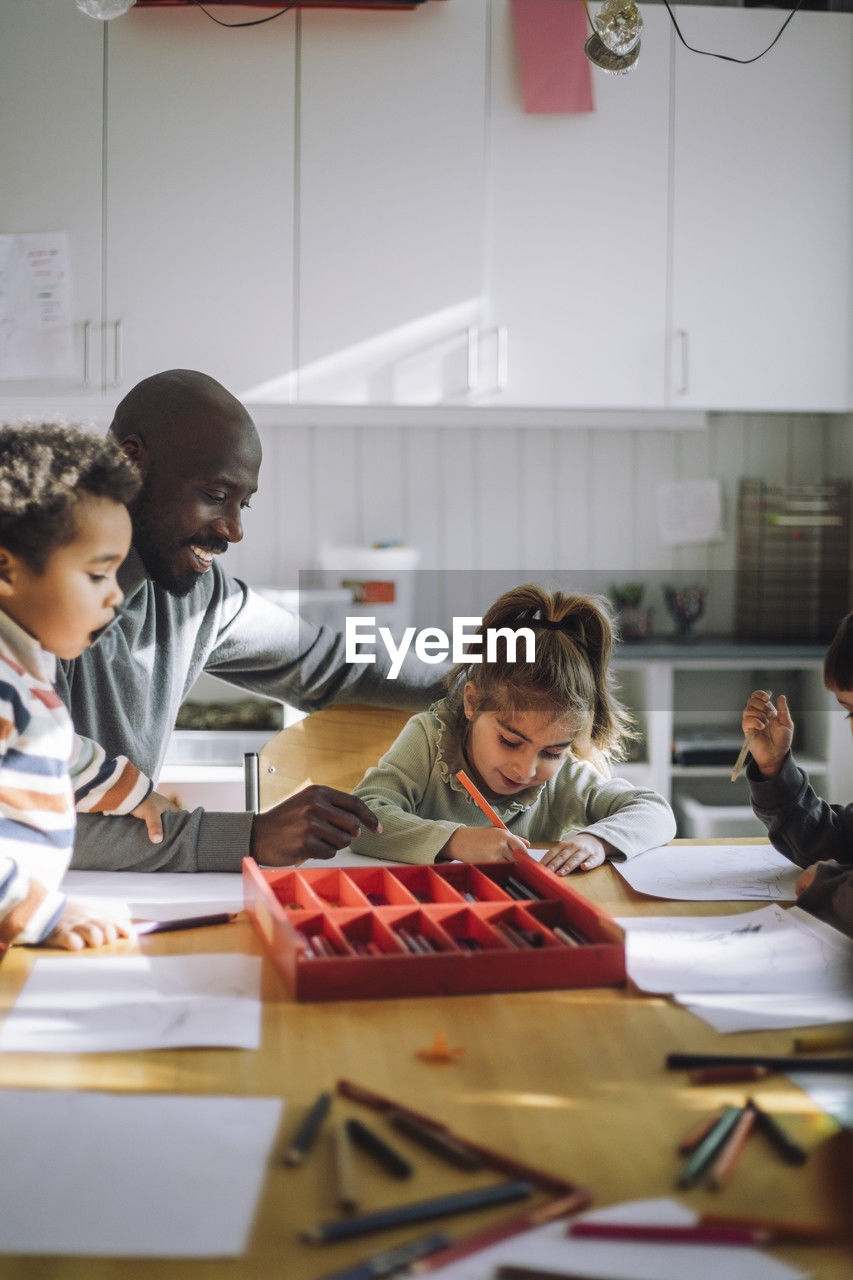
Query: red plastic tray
[446, 909]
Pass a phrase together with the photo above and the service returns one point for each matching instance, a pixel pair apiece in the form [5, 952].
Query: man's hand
[149, 812]
[315, 823]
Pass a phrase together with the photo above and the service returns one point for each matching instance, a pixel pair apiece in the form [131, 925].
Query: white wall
[525, 500]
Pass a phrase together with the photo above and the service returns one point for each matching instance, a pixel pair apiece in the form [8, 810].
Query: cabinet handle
[473, 358]
[118, 353]
[684, 340]
[87, 353]
[503, 357]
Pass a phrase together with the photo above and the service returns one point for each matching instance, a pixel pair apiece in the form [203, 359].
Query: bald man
[199, 455]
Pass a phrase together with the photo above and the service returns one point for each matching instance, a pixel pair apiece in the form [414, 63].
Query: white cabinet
[687, 701]
[200, 181]
[762, 214]
[391, 192]
[51, 77]
[577, 228]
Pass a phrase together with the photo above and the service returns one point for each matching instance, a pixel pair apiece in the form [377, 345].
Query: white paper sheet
[550, 1247]
[766, 968]
[138, 1175]
[690, 511]
[83, 1004]
[156, 895]
[35, 306]
[712, 873]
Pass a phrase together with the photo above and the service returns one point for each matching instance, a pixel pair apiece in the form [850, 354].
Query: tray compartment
[381, 886]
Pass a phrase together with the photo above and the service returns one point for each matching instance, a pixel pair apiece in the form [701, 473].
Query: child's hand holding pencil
[769, 733]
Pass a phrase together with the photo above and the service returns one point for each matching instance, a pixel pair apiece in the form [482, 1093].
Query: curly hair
[44, 471]
[569, 677]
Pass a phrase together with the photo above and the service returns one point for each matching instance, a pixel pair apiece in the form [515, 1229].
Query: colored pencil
[505, 1229]
[699, 1159]
[306, 1135]
[811, 1040]
[781, 1231]
[384, 1154]
[480, 801]
[787, 1148]
[728, 1075]
[695, 1233]
[694, 1136]
[405, 1215]
[687, 1061]
[345, 1179]
[185, 922]
[729, 1154]
[390, 1261]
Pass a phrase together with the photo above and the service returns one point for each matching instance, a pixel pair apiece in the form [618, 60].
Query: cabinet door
[200, 157]
[762, 212]
[51, 60]
[391, 188]
[578, 232]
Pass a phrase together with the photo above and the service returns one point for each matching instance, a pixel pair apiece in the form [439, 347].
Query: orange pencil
[723, 1166]
[478, 800]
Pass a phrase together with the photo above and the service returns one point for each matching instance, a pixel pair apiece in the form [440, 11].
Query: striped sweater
[45, 769]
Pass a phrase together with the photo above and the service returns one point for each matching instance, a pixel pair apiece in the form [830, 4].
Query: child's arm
[604, 818]
[115, 787]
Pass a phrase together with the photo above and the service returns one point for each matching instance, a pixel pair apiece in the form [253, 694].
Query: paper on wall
[36, 337]
[690, 511]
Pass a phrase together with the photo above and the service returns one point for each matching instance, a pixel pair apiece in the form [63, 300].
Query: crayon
[697, 1233]
[699, 1159]
[787, 1148]
[728, 1155]
[306, 1135]
[480, 801]
[392, 1162]
[345, 1180]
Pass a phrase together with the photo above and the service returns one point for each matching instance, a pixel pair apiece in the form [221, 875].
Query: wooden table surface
[570, 1081]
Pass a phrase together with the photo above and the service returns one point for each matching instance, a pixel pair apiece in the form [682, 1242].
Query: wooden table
[570, 1081]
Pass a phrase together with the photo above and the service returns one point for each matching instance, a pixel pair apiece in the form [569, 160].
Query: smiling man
[199, 456]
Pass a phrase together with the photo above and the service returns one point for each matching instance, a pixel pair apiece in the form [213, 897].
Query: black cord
[708, 53]
[255, 22]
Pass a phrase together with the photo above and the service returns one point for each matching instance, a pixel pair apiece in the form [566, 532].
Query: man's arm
[799, 823]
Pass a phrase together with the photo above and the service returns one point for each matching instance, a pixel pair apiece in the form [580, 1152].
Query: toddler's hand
[774, 731]
[580, 852]
[149, 812]
[82, 926]
[483, 844]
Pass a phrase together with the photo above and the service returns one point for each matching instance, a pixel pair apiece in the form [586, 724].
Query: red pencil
[480, 801]
[688, 1234]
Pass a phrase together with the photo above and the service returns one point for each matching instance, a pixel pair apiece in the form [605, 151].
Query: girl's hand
[580, 852]
[805, 879]
[774, 731]
[483, 844]
[149, 812]
[81, 926]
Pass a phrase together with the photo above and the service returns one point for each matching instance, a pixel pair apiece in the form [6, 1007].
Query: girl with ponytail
[535, 732]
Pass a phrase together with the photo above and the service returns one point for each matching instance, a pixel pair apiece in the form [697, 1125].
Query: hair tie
[550, 624]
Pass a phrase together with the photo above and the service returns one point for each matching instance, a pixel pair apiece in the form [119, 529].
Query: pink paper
[556, 75]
